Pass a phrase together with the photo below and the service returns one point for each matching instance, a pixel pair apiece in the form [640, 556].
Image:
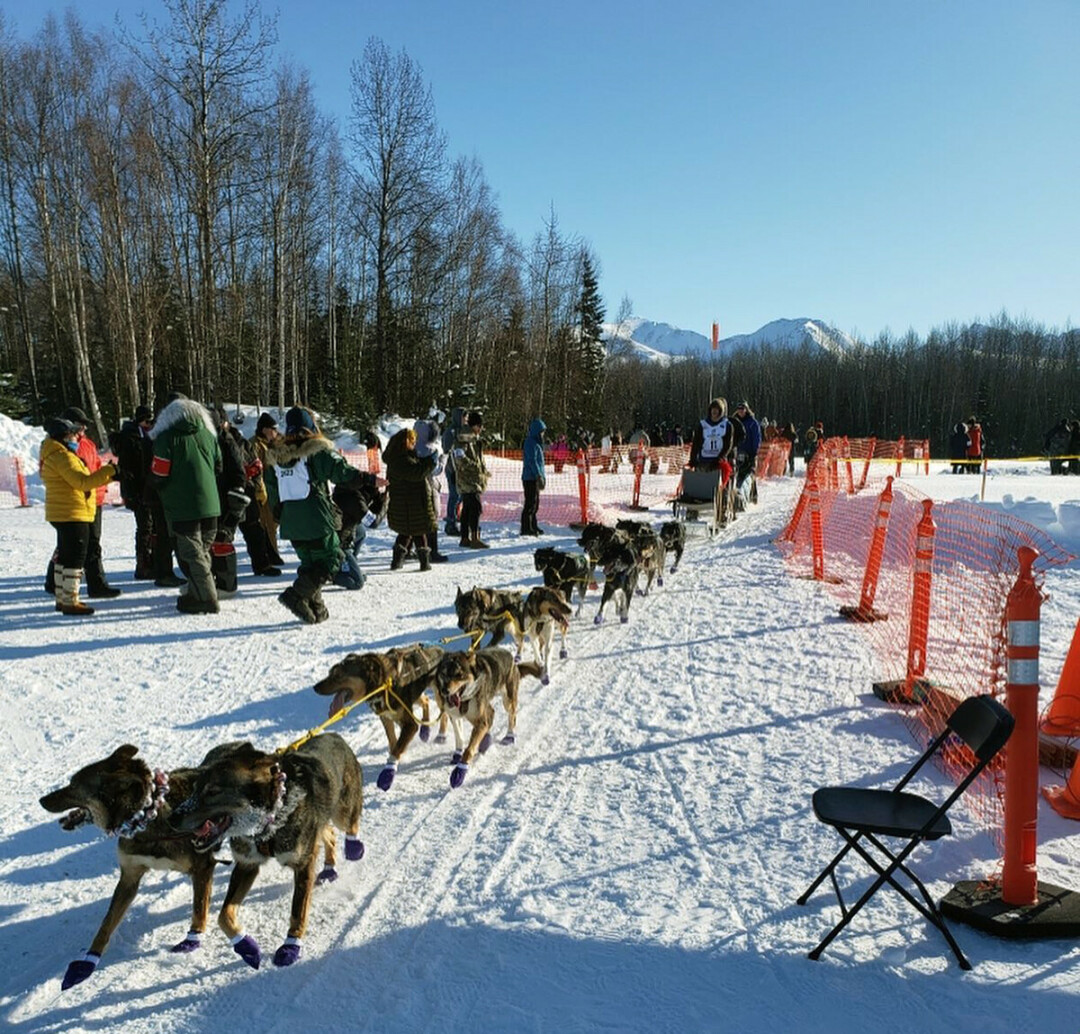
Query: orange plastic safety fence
[12, 482]
[955, 596]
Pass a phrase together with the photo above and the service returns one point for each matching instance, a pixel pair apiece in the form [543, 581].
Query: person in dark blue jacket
[533, 476]
[751, 442]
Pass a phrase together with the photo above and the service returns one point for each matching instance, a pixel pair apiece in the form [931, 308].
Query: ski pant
[194, 545]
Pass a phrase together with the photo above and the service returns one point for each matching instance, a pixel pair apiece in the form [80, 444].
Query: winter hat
[475, 419]
[219, 416]
[298, 420]
[58, 428]
[143, 413]
[265, 420]
[75, 415]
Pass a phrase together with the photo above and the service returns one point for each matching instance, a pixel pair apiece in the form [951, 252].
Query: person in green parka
[185, 468]
[299, 467]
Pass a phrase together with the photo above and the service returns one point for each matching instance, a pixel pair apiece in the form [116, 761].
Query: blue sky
[879, 164]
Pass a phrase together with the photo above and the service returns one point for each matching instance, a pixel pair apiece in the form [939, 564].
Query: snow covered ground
[632, 864]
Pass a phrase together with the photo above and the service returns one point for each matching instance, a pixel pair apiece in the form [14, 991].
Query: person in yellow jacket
[70, 507]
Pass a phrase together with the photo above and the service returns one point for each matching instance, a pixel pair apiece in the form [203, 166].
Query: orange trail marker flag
[715, 335]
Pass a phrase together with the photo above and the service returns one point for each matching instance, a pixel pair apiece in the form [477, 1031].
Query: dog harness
[155, 797]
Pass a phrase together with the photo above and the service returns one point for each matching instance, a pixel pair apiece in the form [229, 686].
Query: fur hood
[284, 451]
[722, 403]
[183, 415]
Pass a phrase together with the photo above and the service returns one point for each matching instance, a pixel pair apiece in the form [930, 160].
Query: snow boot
[96, 585]
[424, 555]
[433, 545]
[294, 602]
[398, 557]
[52, 583]
[68, 602]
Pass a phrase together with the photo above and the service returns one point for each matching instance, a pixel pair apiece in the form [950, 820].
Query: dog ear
[124, 753]
[458, 593]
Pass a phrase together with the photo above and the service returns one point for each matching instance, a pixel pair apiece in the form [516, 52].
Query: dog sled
[703, 497]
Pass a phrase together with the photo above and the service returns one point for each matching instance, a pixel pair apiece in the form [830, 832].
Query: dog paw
[624, 619]
[599, 619]
[508, 740]
[562, 655]
[328, 875]
[545, 679]
[485, 742]
[248, 949]
[386, 777]
[354, 848]
[457, 775]
[288, 953]
[187, 945]
[440, 738]
[660, 582]
[425, 733]
[79, 970]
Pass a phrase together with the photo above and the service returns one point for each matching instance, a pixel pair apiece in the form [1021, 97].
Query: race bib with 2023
[293, 482]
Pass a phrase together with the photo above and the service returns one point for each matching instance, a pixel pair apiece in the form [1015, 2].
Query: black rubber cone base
[1055, 914]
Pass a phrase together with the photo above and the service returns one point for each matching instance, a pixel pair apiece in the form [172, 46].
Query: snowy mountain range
[660, 342]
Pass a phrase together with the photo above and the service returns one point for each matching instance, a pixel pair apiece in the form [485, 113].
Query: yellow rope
[386, 687]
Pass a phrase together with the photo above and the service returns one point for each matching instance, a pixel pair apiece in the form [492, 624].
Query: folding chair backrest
[700, 484]
[983, 724]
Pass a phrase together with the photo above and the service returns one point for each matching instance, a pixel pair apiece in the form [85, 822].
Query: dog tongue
[205, 830]
[337, 703]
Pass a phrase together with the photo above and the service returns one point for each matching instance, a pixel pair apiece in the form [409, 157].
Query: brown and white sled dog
[545, 609]
[410, 670]
[279, 806]
[488, 610]
[467, 686]
[120, 795]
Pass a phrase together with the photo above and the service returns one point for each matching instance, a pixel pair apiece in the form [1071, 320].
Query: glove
[541, 483]
[253, 469]
[236, 502]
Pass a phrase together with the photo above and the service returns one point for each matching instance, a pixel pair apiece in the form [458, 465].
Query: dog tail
[530, 668]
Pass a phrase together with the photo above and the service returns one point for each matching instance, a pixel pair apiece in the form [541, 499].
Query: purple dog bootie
[328, 875]
[458, 773]
[79, 970]
[247, 948]
[386, 776]
[189, 944]
[354, 848]
[288, 953]
[485, 742]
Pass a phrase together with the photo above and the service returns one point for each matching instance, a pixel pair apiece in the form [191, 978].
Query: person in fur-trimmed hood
[299, 468]
[411, 509]
[714, 439]
[186, 464]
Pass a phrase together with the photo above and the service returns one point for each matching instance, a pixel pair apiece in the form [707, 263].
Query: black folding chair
[862, 817]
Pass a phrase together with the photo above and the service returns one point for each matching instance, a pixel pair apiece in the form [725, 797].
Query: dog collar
[155, 797]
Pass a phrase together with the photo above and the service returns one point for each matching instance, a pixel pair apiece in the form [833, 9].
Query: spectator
[1074, 446]
[70, 507]
[410, 511]
[453, 499]
[472, 478]
[1056, 444]
[427, 444]
[266, 431]
[560, 453]
[791, 436]
[975, 443]
[810, 446]
[300, 467]
[97, 585]
[134, 452]
[958, 447]
[533, 475]
[187, 461]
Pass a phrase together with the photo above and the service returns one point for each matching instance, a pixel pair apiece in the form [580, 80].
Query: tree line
[176, 214]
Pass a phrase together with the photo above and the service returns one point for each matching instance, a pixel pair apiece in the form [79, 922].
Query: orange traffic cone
[1065, 800]
[1063, 716]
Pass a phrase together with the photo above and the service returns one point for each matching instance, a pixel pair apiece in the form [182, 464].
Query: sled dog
[279, 806]
[488, 610]
[570, 572]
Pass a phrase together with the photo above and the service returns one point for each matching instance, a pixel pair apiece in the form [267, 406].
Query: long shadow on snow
[532, 980]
